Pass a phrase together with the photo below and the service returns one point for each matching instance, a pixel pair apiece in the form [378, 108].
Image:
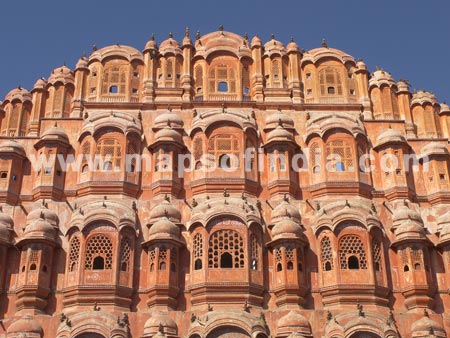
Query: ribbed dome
[293, 322]
[55, 134]
[170, 46]
[279, 134]
[25, 325]
[434, 148]
[45, 213]
[404, 213]
[285, 210]
[381, 77]
[279, 119]
[409, 230]
[164, 228]
[153, 324]
[40, 229]
[286, 228]
[82, 63]
[292, 47]
[168, 119]
[390, 136]
[425, 325]
[274, 47]
[151, 44]
[168, 134]
[423, 97]
[40, 83]
[20, 94]
[167, 210]
[12, 146]
[445, 108]
[256, 41]
[61, 74]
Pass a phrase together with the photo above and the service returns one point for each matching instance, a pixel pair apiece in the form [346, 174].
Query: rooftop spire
[324, 43]
[186, 32]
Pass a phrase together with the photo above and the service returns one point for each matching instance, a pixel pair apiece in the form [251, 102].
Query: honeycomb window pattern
[326, 254]
[352, 246]
[125, 255]
[74, 254]
[376, 253]
[198, 246]
[162, 258]
[99, 246]
[254, 250]
[342, 154]
[225, 242]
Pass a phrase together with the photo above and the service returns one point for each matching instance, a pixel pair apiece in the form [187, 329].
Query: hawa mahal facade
[333, 251]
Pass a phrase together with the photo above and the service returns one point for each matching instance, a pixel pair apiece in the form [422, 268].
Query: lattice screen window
[246, 81]
[198, 80]
[314, 157]
[417, 258]
[222, 79]
[341, 156]
[99, 253]
[351, 253]
[14, 119]
[404, 258]
[226, 250]
[225, 150]
[152, 259]
[26, 111]
[326, 254]
[162, 259]
[125, 255]
[254, 247]
[132, 151]
[198, 252]
[33, 259]
[110, 153]
[278, 255]
[276, 74]
[74, 254]
[289, 258]
[114, 80]
[198, 148]
[330, 82]
[376, 255]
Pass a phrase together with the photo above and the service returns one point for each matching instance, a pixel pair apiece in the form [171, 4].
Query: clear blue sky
[410, 39]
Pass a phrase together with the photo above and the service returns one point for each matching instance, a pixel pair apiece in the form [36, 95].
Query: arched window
[110, 153]
[276, 74]
[417, 258]
[326, 254]
[351, 250]
[198, 252]
[254, 245]
[222, 78]
[289, 258]
[330, 82]
[225, 150]
[162, 259]
[226, 241]
[226, 260]
[278, 255]
[99, 249]
[314, 157]
[340, 154]
[376, 255]
[74, 254]
[198, 80]
[125, 255]
[114, 80]
[152, 259]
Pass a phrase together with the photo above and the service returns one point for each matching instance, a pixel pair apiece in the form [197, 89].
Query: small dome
[45, 213]
[165, 209]
[61, 74]
[279, 134]
[361, 65]
[151, 44]
[168, 134]
[41, 83]
[286, 228]
[25, 325]
[422, 97]
[6, 227]
[279, 119]
[168, 119]
[403, 86]
[20, 94]
[274, 47]
[170, 46]
[409, 229]
[293, 322]
[55, 134]
[390, 136]
[381, 77]
[434, 148]
[292, 47]
[40, 229]
[164, 228]
[445, 108]
[12, 146]
[284, 210]
[256, 41]
[425, 325]
[404, 213]
[160, 320]
[82, 63]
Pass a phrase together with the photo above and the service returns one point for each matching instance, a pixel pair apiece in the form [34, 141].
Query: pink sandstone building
[277, 241]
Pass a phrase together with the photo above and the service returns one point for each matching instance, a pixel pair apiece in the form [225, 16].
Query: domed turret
[12, 147]
[279, 134]
[151, 44]
[169, 135]
[41, 224]
[404, 213]
[445, 108]
[82, 63]
[285, 210]
[168, 119]
[422, 97]
[20, 94]
[292, 47]
[279, 119]
[256, 41]
[274, 47]
[170, 46]
[390, 136]
[433, 148]
[293, 322]
[41, 83]
[164, 228]
[55, 134]
[381, 77]
[25, 325]
[425, 326]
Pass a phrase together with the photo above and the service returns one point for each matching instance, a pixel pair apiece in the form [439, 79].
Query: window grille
[74, 254]
[343, 150]
[326, 254]
[99, 246]
[352, 246]
[125, 255]
[228, 243]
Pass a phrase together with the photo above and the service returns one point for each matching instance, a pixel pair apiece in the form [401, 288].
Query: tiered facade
[111, 224]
